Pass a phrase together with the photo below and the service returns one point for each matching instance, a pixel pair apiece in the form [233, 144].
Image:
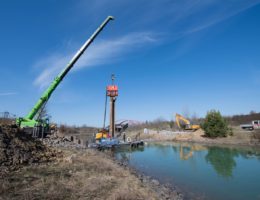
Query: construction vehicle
[30, 123]
[103, 133]
[119, 129]
[187, 124]
[106, 135]
[255, 124]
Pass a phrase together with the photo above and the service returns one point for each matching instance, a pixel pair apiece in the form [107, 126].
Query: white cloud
[222, 14]
[176, 16]
[51, 65]
[102, 52]
[7, 93]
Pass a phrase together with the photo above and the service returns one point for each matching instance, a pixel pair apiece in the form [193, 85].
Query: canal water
[200, 171]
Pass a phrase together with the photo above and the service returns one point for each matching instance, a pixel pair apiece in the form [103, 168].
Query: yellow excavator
[187, 124]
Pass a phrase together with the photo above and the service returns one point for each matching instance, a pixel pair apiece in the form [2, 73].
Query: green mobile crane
[29, 122]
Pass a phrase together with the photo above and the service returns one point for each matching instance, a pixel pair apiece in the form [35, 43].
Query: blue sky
[169, 56]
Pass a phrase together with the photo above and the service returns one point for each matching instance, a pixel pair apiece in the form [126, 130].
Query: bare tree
[194, 118]
[186, 112]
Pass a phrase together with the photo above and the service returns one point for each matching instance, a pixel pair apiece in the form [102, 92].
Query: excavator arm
[179, 118]
[188, 125]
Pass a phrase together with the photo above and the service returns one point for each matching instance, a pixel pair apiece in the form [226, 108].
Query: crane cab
[112, 90]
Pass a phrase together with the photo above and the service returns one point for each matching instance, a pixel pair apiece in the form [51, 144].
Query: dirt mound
[17, 149]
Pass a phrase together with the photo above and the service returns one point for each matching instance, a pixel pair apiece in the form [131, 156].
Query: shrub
[215, 125]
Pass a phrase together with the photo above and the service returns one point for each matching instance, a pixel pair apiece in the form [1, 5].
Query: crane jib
[46, 95]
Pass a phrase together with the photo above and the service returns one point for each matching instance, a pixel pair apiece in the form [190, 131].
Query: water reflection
[186, 150]
[250, 153]
[124, 154]
[222, 160]
[218, 172]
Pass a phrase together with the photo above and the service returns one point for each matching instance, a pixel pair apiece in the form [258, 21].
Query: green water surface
[200, 171]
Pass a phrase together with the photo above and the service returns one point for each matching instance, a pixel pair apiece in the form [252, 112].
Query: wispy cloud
[8, 93]
[181, 18]
[177, 19]
[221, 14]
[102, 52]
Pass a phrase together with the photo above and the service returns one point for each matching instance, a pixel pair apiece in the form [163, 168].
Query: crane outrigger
[29, 121]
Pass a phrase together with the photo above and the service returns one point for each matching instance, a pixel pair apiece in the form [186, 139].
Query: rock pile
[18, 148]
[55, 141]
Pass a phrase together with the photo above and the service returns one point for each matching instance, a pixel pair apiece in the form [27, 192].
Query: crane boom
[28, 120]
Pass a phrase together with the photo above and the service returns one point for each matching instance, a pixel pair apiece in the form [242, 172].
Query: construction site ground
[73, 172]
[239, 136]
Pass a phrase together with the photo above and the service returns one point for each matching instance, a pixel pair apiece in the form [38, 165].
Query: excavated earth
[18, 149]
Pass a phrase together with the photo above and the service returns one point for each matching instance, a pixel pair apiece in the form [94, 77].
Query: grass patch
[79, 175]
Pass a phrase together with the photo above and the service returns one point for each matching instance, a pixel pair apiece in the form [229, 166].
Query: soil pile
[18, 148]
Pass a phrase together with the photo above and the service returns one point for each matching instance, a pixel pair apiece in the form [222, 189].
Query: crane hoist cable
[105, 113]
